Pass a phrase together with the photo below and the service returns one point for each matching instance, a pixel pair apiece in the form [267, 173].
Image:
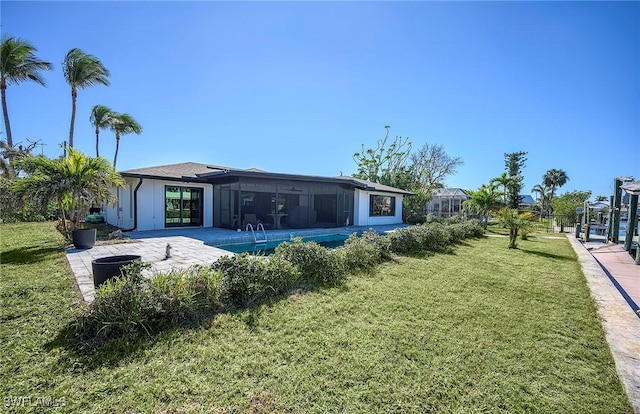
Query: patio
[189, 247]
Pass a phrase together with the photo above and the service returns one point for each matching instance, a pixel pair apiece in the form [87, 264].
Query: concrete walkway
[620, 323]
[185, 252]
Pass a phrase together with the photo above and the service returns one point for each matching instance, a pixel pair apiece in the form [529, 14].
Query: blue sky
[297, 87]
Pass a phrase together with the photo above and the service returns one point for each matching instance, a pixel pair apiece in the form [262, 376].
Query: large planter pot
[109, 267]
[84, 238]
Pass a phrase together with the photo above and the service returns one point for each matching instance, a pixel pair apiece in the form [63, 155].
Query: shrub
[382, 243]
[130, 305]
[403, 240]
[248, 278]
[122, 307]
[316, 263]
[465, 230]
[363, 253]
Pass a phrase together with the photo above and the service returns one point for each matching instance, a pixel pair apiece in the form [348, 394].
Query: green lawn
[484, 329]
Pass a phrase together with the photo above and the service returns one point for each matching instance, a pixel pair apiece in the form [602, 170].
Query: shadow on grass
[29, 255]
[548, 255]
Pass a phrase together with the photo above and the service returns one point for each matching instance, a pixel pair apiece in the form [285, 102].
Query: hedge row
[131, 305]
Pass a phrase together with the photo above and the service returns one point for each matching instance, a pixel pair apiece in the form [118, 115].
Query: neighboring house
[193, 194]
[526, 201]
[446, 202]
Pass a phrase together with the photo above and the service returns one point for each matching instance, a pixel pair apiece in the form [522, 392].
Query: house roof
[527, 199]
[371, 186]
[172, 171]
[451, 192]
[192, 171]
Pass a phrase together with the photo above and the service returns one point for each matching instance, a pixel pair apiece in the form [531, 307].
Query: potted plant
[73, 183]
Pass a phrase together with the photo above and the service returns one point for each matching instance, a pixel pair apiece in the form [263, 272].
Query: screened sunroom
[447, 202]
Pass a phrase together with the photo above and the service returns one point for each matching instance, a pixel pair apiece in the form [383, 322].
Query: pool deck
[189, 247]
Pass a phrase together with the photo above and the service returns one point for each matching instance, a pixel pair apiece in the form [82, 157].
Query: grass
[483, 329]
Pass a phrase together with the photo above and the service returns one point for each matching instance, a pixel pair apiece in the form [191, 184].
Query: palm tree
[504, 180]
[101, 119]
[483, 202]
[72, 182]
[554, 178]
[123, 124]
[82, 70]
[543, 196]
[19, 64]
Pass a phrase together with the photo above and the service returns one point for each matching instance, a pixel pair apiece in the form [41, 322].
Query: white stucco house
[194, 194]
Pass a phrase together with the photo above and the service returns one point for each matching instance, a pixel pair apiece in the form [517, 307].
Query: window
[382, 205]
[183, 206]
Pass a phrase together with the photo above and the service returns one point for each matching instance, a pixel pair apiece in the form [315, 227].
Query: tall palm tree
[554, 178]
[82, 70]
[101, 119]
[19, 64]
[123, 124]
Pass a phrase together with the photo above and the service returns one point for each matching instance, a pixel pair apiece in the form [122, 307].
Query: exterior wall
[151, 204]
[361, 209]
[120, 214]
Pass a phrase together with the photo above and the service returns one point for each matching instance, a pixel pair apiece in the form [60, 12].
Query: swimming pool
[329, 241]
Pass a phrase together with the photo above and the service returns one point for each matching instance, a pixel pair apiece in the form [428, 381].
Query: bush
[316, 263]
[363, 253]
[246, 278]
[403, 240]
[465, 230]
[130, 305]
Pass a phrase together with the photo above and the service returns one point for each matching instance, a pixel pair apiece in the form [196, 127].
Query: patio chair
[250, 218]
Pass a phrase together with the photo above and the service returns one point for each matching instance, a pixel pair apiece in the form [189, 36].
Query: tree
[13, 207]
[504, 180]
[483, 202]
[385, 160]
[554, 178]
[72, 182]
[431, 165]
[602, 198]
[19, 64]
[514, 163]
[101, 119]
[515, 222]
[81, 71]
[543, 197]
[123, 124]
[566, 204]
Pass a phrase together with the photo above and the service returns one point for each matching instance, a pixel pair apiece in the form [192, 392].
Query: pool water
[329, 241]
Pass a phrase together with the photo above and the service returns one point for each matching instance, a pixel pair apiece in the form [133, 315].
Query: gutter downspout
[135, 206]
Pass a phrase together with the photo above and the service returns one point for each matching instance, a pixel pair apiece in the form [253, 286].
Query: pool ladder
[257, 232]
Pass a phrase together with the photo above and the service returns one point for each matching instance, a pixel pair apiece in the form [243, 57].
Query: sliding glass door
[183, 206]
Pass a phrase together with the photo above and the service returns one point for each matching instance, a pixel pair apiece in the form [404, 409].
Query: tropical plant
[81, 71]
[515, 222]
[483, 202]
[18, 64]
[72, 182]
[543, 197]
[123, 124]
[101, 119]
[554, 179]
[504, 180]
